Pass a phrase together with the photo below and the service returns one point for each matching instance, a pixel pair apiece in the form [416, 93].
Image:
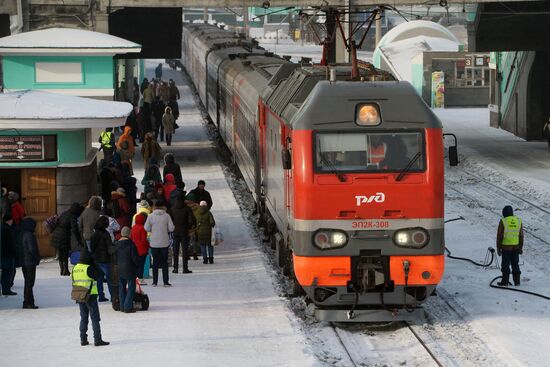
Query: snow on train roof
[32, 109]
[64, 40]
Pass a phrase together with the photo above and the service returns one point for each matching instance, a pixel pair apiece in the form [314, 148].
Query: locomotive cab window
[369, 152]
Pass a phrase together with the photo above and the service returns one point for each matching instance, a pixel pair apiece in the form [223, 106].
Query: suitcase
[141, 300]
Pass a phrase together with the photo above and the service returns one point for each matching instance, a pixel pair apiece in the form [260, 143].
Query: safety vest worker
[510, 245]
[107, 141]
[512, 225]
[107, 137]
[80, 277]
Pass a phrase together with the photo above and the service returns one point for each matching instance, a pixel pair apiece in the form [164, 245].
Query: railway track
[487, 200]
[360, 350]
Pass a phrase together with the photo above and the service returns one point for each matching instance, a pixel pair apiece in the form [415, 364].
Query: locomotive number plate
[370, 224]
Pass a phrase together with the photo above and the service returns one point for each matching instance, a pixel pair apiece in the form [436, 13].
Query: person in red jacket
[139, 237]
[169, 186]
[120, 207]
[17, 210]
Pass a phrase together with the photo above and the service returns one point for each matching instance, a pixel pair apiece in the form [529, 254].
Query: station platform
[224, 314]
[499, 150]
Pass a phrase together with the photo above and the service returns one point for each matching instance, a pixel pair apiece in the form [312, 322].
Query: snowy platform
[225, 314]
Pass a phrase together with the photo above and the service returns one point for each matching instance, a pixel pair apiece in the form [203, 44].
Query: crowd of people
[155, 108]
[118, 235]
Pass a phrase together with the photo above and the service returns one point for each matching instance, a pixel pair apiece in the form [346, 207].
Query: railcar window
[368, 152]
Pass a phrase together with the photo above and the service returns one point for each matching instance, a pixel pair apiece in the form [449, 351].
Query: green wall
[19, 72]
[71, 147]
[418, 77]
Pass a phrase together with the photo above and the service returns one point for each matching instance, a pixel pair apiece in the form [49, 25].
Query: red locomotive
[347, 174]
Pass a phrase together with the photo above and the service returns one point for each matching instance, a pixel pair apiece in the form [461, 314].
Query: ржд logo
[379, 197]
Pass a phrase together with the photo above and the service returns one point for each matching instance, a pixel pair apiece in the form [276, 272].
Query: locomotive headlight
[339, 238]
[367, 115]
[326, 239]
[411, 237]
[402, 238]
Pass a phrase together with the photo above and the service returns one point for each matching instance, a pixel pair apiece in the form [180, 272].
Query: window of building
[58, 72]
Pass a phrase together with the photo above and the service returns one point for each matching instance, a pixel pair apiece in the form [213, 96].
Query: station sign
[22, 148]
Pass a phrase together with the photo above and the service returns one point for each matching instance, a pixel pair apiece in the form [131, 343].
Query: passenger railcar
[347, 174]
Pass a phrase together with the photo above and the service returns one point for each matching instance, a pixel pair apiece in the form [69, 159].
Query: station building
[434, 61]
[46, 126]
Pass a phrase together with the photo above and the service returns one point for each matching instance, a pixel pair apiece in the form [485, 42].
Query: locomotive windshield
[369, 151]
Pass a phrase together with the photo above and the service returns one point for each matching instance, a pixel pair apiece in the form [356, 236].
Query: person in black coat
[105, 178]
[127, 261]
[101, 249]
[7, 254]
[28, 257]
[200, 194]
[67, 226]
[170, 166]
[158, 111]
[184, 220]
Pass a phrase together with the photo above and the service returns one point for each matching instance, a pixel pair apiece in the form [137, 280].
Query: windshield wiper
[408, 166]
[332, 168]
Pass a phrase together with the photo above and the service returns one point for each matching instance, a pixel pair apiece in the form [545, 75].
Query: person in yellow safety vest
[107, 141]
[510, 245]
[85, 274]
[377, 150]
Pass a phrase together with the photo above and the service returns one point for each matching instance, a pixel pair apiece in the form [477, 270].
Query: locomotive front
[367, 200]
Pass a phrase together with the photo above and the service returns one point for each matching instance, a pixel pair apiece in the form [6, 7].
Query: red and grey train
[347, 174]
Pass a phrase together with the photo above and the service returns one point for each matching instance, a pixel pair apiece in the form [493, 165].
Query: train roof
[332, 106]
[302, 94]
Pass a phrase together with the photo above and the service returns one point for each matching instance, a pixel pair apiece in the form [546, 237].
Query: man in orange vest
[377, 149]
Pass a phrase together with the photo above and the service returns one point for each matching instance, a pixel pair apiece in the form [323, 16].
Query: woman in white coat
[159, 224]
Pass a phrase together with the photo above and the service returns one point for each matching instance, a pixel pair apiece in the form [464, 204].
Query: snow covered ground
[235, 313]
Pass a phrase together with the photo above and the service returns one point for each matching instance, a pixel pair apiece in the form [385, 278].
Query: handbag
[81, 294]
[176, 126]
[217, 237]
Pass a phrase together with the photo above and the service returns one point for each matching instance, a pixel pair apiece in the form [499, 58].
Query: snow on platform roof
[400, 53]
[401, 44]
[37, 110]
[64, 41]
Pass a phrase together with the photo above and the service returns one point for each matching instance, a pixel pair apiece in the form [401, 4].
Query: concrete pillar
[101, 22]
[129, 78]
[245, 19]
[205, 14]
[378, 23]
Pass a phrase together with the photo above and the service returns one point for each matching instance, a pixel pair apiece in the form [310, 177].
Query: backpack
[51, 223]
[115, 209]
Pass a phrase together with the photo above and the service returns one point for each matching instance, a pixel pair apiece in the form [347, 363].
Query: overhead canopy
[400, 45]
[37, 110]
[66, 41]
